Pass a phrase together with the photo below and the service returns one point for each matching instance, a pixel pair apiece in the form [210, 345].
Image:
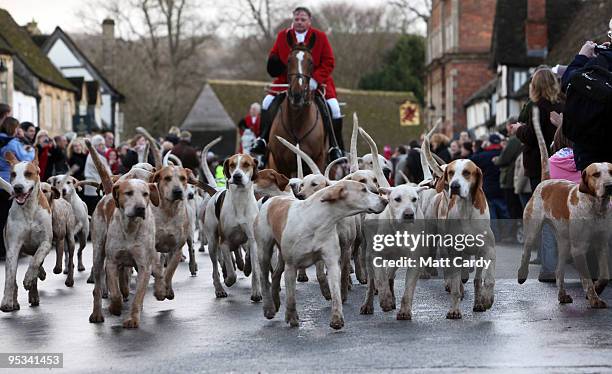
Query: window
[47, 112]
[520, 77]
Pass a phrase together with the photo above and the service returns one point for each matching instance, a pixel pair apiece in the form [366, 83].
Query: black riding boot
[335, 139]
[261, 143]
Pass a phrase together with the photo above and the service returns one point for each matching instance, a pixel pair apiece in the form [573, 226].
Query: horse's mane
[301, 47]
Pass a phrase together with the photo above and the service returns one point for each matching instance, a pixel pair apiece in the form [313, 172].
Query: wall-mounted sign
[409, 114]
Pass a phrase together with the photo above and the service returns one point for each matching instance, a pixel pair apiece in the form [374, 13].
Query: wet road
[526, 330]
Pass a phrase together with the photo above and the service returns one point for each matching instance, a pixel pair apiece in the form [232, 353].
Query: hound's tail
[107, 183]
[541, 143]
[429, 158]
[207, 173]
[382, 181]
[156, 151]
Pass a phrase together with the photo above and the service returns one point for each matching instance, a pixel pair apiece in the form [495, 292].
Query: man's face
[109, 139]
[254, 111]
[301, 21]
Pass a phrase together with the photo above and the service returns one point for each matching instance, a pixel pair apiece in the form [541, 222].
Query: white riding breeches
[334, 106]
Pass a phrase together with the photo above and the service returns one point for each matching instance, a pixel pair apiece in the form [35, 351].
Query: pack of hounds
[267, 225]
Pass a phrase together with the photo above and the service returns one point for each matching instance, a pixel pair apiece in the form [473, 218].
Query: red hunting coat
[322, 56]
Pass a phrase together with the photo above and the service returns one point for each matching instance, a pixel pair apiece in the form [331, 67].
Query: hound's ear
[254, 165]
[281, 181]
[584, 184]
[478, 197]
[116, 195]
[155, 177]
[290, 40]
[35, 160]
[312, 41]
[441, 183]
[10, 158]
[153, 194]
[226, 171]
[384, 190]
[55, 194]
[334, 194]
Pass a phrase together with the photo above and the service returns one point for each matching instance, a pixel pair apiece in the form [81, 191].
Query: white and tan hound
[28, 230]
[580, 215]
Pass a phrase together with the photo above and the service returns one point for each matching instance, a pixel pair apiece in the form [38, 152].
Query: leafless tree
[412, 11]
[160, 58]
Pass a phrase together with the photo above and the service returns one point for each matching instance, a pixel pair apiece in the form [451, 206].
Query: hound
[305, 232]
[460, 206]
[62, 220]
[228, 222]
[68, 186]
[123, 237]
[28, 230]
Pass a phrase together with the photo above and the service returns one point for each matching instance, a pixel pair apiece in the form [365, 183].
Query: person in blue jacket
[10, 140]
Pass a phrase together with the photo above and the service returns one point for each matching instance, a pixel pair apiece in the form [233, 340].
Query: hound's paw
[291, 317]
[29, 281]
[362, 280]
[57, 269]
[404, 315]
[131, 323]
[387, 305]
[479, 307]
[193, 268]
[302, 277]
[565, 299]
[80, 267]
[105, 294]
[247, 268]
[9, 307]
[522, 274]
[202, 249]
[366, 309]
[337, 322]
[597, 303]
[453, 314]
[160, 293]
[33, 298]
[269, 312]
[69, 282]
[42, 274]
[256, 298]
[169, 293]
[229, 280]
[600, 286]
[115, 307]
[96, 318]
[220, 294]
[90, 280]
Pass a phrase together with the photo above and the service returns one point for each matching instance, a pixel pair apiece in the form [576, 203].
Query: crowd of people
[67, 153]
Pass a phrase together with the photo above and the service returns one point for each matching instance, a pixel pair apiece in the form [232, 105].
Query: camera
[602, 48]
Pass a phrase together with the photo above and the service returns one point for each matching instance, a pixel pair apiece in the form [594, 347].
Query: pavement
[525, 331]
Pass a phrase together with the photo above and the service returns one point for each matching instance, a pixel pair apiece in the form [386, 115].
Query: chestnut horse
[298, 119]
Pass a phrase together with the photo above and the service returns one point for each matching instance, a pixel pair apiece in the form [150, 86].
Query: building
[525, 31]
[98, 102]
[458, 58]
[31, 77]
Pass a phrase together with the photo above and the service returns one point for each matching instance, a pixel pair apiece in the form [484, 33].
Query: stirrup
[334, 153]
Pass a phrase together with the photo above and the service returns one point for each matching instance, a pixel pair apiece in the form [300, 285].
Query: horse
[298, 119]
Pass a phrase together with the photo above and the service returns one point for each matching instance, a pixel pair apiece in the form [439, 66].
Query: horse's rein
[290, 130]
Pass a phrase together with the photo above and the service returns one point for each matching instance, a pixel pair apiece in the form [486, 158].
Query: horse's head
[299, 72]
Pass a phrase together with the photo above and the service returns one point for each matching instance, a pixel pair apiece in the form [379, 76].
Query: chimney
[32, 28]
[108, 45]
[536, 29]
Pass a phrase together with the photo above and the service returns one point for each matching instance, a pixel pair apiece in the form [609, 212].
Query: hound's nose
[18, 188]
[190, 196]
[237, 178]
[139, 211]
[455, 188]
[608, 189]
[408, 215]
[177, 193]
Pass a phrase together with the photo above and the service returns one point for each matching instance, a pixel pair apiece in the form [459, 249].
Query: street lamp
[3, 82]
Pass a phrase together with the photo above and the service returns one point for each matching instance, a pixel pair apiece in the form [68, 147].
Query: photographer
[585, 150]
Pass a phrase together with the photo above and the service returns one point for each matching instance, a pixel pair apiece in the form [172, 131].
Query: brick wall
[476, 25]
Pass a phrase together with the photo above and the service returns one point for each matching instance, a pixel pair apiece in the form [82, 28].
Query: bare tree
[161, 58]
[413, 10]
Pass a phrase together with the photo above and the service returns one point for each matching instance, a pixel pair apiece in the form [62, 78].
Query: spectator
[251, 122]
[490, 181]
[44, 145]
[466, 149]
[410, 165]
[58, 160]
[9, 129]
[464, 137]
[29, 131]
[90, 193]
[113, 160]
[439, 146]
[544, 91]
[585, 154]
[455, 150]
[109, 139]
[477, 146]
[173, 135]
[76, 155]
[505, 161]
[186, 153]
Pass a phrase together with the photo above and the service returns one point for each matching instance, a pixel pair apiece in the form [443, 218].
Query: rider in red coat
[323, 59]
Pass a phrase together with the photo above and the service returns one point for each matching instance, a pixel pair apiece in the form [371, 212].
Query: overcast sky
[63, 13]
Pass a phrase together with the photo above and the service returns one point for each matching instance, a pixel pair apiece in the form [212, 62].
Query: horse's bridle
[290, 77]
